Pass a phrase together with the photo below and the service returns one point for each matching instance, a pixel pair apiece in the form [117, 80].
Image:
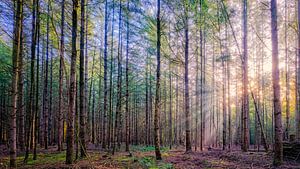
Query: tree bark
[15, 60]
[298, 80]
[245, 97]
[82, 84]
[118, 117]
[72, 92]
[127, 85]
[157, 95]
[60, 93]
[260, 124]
[36, 114]
[188, 146]
[105, 78]
[278, 156]
[45, 92]
[287, 83]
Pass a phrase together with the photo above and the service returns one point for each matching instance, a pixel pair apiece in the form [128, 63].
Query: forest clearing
[150, 84]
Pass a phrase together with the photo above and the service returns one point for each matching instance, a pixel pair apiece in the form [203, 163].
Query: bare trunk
[278, 156]
[127, 86]
[188, 146]
[118, 125]
[105, 78]
[298, 80]
[260, 124]
[60, 97]
[82, 84]
[45, 92]
[72, 92]
[157, 95]
[15, 60]
[245, 97]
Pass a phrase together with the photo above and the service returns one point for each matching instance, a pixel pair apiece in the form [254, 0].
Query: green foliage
[47, 158]
[148, 148]
[42, 158]
[151, 163]
[5, 62]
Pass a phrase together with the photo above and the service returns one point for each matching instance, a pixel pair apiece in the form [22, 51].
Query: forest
[168, 84]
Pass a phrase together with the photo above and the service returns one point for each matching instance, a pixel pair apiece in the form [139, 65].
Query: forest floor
[144, 157]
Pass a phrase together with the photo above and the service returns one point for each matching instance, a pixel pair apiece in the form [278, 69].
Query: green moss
[151, 163]
[148, 148]
[50, 158]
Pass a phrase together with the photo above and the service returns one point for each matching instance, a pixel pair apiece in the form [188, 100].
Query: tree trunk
[118, 117]
[72, 92]
[82, 84]
[170, 106]
[197, 98]
[127, 85]
[229, 106]
[224, 104]
[110, 122]
[105, 78]
[60, 97]
[278, 157]
[157, 95]
[260, 124]
[90, 101]
[35, 116]
[15, 60]
[147, 104]
[50, 100]
[298, 80]
[188, 146]
[287, 83]
[245, 97]
[45, 92]
[20, 104]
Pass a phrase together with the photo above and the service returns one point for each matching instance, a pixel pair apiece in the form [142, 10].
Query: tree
[298, 79]
[60, 99]
[82, 84]
[16, 57]
[118, 117]
[245, 97]
[287, 93]
[127, 86]
[35, 115]
[278, 151]
[72, 91]
[188, 146]
[45, 91]
[157, 94]
[105, 78]
[31, 109]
